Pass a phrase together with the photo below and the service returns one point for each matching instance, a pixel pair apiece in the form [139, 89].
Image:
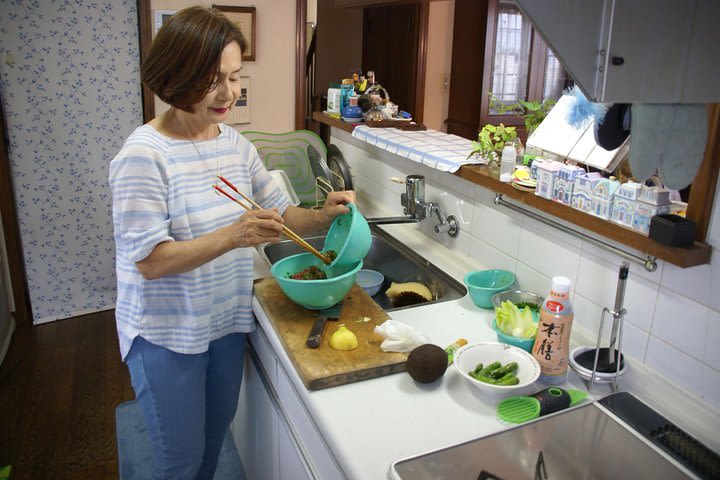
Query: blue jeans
[188, 402]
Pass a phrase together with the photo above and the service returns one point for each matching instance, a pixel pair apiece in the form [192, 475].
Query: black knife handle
[313, 340]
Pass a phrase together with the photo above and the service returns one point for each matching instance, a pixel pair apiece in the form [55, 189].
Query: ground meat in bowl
[310, 273]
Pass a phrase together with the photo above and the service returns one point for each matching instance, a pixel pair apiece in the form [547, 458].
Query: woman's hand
[255, 227]
[335, 204]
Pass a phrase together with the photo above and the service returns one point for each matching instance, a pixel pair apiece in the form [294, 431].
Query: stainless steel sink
[618, 436]
[389, 257]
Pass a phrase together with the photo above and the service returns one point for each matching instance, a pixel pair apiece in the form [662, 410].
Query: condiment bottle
[553, 337]
[507, 163]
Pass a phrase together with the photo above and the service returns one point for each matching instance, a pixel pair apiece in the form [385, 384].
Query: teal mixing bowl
[349, 237]
[524, 343]
[314, 294]
[483, 284]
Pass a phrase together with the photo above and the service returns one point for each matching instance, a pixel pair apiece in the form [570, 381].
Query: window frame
[536, 72]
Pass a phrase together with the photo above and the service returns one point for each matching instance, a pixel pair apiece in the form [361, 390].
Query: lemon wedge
[343, 339]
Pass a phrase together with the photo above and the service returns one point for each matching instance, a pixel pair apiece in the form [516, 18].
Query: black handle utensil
[330, 313]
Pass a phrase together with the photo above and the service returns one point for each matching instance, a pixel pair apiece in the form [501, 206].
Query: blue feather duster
[582, 111]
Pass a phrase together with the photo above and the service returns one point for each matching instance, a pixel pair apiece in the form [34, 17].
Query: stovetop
[616, 437]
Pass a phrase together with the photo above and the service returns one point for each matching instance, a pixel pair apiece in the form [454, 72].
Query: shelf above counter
[684, 257]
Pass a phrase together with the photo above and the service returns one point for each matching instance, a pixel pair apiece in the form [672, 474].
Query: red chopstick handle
[228, 183]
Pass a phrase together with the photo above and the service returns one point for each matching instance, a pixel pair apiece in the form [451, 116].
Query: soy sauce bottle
[552, 343]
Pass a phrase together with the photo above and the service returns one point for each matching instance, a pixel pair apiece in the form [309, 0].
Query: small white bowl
[370, 281]
[466, 359]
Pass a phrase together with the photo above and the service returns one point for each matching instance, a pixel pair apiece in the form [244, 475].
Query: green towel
[5, 473]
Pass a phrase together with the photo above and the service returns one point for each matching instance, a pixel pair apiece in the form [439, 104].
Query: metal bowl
[517, 297]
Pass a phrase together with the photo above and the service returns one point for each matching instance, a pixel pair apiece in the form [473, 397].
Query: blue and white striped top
[162, 191]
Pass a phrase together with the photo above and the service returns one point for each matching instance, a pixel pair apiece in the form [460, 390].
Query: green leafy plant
[532, 112]
[491, 141]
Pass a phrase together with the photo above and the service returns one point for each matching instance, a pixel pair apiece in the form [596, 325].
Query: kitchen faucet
[416, 209]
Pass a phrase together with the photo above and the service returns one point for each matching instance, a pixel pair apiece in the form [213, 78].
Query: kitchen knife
[330, 313]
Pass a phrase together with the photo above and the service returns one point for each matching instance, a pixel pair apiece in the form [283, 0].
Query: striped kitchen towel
[435, 149]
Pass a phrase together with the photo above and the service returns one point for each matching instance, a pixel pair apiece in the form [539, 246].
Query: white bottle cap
[561, 284]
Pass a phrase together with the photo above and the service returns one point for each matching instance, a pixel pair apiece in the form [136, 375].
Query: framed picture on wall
[243, 17]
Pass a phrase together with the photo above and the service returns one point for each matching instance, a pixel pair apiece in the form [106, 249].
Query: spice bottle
[450, 349]
[553, 337]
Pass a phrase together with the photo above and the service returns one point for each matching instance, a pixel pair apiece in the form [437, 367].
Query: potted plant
[491, 141]
[532, 112]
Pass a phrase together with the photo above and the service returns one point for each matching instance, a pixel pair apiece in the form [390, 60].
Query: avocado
[427, 363]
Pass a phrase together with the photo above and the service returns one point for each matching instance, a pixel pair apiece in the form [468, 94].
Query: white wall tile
[492, 227]
[634, 341]
[681, 323]
[588, 314]
[636, 268]
[532, 280]
[489, 256]
[598, 281]
[550, 232]
[712, 340]
[452, 203]
[674, 365]
[545, 254]
[693, 282]
[711, 386]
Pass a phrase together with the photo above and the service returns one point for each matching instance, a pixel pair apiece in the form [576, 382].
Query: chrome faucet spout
[391, 220]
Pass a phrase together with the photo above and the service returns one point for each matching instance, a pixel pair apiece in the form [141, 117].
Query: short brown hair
[185, 56]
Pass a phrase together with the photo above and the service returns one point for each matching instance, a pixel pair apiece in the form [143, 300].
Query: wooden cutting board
[325, 367]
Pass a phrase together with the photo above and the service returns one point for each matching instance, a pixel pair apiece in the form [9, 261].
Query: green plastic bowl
[524, 343]
[314, 294]
[483, 284]
[349, 237]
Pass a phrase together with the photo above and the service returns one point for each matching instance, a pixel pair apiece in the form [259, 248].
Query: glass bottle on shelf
[375, 114]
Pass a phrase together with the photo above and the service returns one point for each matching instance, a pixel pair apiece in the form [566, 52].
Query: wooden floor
[59, 385]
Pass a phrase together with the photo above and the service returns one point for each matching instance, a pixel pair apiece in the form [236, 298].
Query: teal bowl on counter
[314, 294]
[524, 343]
[483, 284]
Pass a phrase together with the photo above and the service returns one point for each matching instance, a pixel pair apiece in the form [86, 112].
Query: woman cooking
[184, 254]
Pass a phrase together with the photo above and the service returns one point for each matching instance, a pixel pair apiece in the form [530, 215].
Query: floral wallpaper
[69, 83]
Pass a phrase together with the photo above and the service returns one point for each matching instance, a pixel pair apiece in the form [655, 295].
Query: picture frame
[162, 16]
[243, 17]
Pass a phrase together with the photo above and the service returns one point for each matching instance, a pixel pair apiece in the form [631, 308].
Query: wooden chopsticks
[289, 233]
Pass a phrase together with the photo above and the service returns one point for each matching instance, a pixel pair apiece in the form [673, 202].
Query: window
[522, 67]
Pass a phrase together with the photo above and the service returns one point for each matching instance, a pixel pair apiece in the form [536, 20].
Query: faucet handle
[397, 180]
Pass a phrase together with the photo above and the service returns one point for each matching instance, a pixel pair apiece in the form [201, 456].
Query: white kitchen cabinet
[255, 427]
[634, 51]
[273, 432]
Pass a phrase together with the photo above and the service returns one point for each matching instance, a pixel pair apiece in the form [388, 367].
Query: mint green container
[524, 343]
[483, 284]
[314, 294]
[349, 237]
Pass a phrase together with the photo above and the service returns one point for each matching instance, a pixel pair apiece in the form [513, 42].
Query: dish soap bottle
[553, 337]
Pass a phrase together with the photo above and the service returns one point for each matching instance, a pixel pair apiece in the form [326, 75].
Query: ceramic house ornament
[603, 194]
[624, 202]
[546, 174]
[564, 183]
[582, 197]
[651, 201]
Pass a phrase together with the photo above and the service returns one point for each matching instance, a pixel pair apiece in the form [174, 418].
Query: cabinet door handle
[618, 60]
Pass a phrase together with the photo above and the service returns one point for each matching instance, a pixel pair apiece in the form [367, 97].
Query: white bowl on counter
[467, 358]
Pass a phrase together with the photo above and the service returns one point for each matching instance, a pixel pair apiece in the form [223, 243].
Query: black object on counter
[672, 229]
[587, 358]
[552, 400]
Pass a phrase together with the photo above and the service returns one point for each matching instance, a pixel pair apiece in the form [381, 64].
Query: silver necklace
[216, 175]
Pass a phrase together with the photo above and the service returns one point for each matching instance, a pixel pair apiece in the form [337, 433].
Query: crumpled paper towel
[399, 337]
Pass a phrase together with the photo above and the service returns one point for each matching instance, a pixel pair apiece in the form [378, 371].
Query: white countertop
[370, 424]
